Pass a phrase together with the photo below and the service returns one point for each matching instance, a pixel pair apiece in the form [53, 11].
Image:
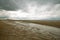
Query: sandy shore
[14, 30]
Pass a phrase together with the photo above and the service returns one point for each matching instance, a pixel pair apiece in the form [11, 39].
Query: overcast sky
[30, 9]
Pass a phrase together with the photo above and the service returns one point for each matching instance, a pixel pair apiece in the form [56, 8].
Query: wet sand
[19, 30]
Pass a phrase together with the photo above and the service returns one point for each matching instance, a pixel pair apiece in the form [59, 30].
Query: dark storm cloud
[50, 1]
[20, 4]
[7, 5]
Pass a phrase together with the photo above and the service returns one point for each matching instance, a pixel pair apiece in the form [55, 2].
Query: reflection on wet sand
[19, 30]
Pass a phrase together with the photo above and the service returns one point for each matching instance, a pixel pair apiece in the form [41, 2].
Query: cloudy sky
[30, 9]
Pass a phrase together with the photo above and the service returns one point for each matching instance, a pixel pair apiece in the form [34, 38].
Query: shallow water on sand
[19, 30]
